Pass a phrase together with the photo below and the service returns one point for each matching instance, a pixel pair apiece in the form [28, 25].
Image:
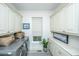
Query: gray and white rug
[38, 53]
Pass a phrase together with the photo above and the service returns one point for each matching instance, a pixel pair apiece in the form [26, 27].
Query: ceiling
[35, 6]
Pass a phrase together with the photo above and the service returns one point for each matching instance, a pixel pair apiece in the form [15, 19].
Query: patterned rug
[38, 53]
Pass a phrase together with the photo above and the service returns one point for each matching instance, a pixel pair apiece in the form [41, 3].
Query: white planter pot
[45, 49]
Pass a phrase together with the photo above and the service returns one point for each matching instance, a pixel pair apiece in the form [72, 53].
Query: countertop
[13, 47]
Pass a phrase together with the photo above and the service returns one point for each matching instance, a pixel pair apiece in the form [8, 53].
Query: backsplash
[74, 41]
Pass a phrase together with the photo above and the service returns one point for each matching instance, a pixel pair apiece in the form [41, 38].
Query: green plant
[45, 43]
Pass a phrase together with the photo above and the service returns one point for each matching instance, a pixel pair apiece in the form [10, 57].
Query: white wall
[27, 18]
[74, 41]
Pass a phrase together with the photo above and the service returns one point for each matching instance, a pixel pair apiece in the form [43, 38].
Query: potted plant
[45, 44]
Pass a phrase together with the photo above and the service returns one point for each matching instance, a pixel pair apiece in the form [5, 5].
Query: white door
[37, 32]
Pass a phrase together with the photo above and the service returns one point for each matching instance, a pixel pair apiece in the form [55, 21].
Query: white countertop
[71, 50]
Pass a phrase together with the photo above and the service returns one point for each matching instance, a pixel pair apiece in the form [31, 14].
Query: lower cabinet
[56, 50]
[51, 47]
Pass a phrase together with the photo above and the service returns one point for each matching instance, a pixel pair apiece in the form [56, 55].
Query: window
[36, 38]
[36, 26]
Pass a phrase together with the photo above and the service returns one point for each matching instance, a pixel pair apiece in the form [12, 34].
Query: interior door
[37, 31]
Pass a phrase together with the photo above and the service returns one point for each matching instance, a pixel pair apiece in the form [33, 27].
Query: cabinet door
[59, 21]
[11, 21]
[76, 18]
[69, 18]
[58, 51]
[62, 20]
[51, 47]
[55, 49]
[72, 18]
[56, 22]
[51, 23]
[18, 24]
[3, 19]
[62, 52]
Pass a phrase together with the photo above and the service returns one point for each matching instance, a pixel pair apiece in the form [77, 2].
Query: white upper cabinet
[10, 20]
[66, 20]
[51, 23]
[3, 19]
[18, 24]
[14, 22]
[57, 20]
[54, 23]
[62, 20]
[72, 18]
